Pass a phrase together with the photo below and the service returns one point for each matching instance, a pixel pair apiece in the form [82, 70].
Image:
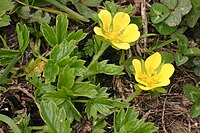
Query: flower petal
[137, 66]
[130, 33]
[99, 32]
[145, 88]
[153, 62]
[106, 19]
[164, 82]
[120, 21]
[166, 72]
[120, 45]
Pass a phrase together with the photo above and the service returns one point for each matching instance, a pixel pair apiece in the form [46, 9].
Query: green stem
[4, 42]
[37, 127]
[9, 67]
[10, 122]
[133, 95]
[71, 13]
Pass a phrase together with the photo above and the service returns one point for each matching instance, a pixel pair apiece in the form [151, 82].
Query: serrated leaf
[76, 64]
[23, 36]
[71, 111]
[61, 28]
[4, 20]
[66, 78]
[49, 34]
[126, 121]
[192, 93]
[194, 51]
[158, 13]
[78, 36]
[84, 89]
[51, 70]
[5, 5]
[62, 50]
[171, 4]
[55, 118]
[180, 59]
[110, 69]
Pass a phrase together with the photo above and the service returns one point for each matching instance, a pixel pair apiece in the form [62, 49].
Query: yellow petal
[153, 62]
[145, 88]
[137, 66]
[99, 32]
[106, 19]
[120, 21]
[164, 82]
[130, 33]
[118, 46]
[166, 72]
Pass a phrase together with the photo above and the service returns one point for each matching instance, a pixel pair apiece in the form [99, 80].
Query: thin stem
[37, 127]
[133, 95]
[80, 101]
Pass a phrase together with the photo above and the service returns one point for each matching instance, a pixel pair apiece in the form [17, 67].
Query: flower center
[112, 35]
[149, 80]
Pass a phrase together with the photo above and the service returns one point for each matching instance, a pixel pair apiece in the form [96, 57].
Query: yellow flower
[152, 73]
[117, 30]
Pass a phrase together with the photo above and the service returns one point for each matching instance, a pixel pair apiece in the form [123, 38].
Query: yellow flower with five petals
[117, 29]
[151, 73]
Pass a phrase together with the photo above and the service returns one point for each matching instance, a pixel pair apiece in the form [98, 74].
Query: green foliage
[127, 122]
[55, 117]
[38, 16]
[24, 121]
[193, 94]
[5, 6]
[10, 122]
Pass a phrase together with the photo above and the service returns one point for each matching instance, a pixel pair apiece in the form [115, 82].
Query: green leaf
[49, 34]
[184, 6]
[127, 122]
[51, 70]
[10, 122]
[66, 78]
[158, 13]
[4, 20]
[182, 43]
[195, 109]
[192, 93]
[55, 118]
[197, 71]
[24, 121]
[167, 57]
[5, 5]
[164, 29]
[76, 64]
[61, 28]
[62, 50]
[78, 36]
[193, 51]
[193, 16]
[180, 59]
[171, 4]
[2, 88]
[38, 16]
[110, 69]
[84, 89]
[196, 61]
[23, 36]
[174, 19]
[8, 53]
[161, 90]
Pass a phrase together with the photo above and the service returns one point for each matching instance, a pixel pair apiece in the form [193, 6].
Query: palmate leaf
[54, 117]
[127, 122]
